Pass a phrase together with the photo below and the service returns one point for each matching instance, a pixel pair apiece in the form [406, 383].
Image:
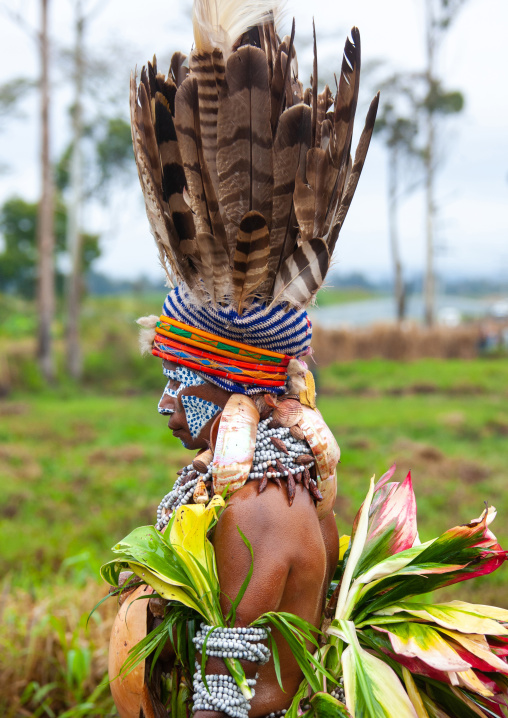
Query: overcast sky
[472, 190]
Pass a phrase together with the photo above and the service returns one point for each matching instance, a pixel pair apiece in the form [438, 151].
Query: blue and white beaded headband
[286, 331]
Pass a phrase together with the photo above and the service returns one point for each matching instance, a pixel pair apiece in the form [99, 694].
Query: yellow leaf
[494, 612]
[343, 544]
[188, 538]
[469, 679]
[414, 694]
[478, 646]
[166, 590]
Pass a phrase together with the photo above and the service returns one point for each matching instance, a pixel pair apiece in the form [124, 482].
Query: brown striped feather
[244, 139]
[302, 273]
[146, 128]
[209, 70]
[346, 101]
[280, 84]
[290, 149]
[166, 87]
[266, 46]
[314, 86]
[326, 133]
[324, 101]
[321, 176]
[304, 205]
[296, 89]
[312, 194]
[214, 267]
[178, 69]
[270, 47]
[160, 221]
[250, 265]
[173, 174]
[359, 161]
[202, 198]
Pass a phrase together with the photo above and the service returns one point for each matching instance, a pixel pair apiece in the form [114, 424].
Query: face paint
[185, 378]
[197, 411]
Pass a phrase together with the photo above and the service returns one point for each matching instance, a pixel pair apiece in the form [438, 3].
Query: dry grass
[50, 662]
[389, 341]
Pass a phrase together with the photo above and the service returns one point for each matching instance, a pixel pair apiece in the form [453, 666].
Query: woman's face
[191, 403]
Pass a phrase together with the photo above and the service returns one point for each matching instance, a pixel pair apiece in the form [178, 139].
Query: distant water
[369, 311]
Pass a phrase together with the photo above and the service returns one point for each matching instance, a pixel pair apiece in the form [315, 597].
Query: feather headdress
[247, 176]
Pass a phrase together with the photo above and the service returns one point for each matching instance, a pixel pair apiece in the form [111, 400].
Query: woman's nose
[166, 404]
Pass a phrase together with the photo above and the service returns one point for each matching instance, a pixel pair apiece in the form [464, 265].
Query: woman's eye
[174, 384]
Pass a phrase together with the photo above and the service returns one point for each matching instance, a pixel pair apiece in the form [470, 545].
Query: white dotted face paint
[197, 411]
[184, 377]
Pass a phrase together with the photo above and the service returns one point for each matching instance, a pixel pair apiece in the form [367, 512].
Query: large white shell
[128, 629]
[327, 454]
[236, 440]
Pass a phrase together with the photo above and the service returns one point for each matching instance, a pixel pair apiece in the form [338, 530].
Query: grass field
[79, 469]
[334, 295]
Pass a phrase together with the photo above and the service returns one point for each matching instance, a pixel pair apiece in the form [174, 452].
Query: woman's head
[192, 403]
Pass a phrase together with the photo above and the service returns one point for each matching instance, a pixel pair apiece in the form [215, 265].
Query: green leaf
[146, 646]
[392, 565]
[184, 695]
[294, 709]
[452, 703]
[99, 603]
[110, 571]
[203, 659]
[235, 668]
[231, 617]
[296, 631]
[276, 660]
[146, 546]
[326, 706]
[357, 547]
[372, 688]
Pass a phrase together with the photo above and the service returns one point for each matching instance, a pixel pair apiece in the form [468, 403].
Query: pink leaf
[392, 521]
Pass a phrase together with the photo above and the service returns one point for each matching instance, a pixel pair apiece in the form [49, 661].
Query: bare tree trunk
[74, 234]
[429, 173]
[399, 289]
[45, 222]
[430, 212]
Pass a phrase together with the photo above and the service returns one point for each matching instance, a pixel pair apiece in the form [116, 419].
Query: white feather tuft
[297, 370]
[148, 322]
[219, 23]
[147, 333]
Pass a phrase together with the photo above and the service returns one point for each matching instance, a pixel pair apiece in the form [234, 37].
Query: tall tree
[86, 171]
[74, 233]
[111, 151]
[439, 16]
[398, 127]
[45, 227]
